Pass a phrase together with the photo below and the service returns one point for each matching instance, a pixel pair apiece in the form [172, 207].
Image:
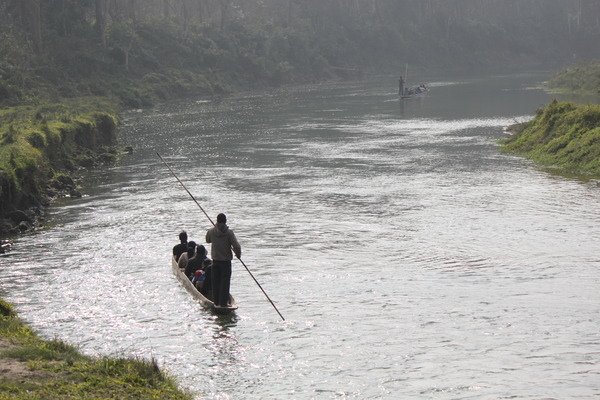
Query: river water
[410, 258]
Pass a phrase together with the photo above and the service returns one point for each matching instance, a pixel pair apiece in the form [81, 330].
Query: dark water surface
[410, 257]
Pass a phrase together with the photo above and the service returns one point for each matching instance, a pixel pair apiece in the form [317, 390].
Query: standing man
[222, 240]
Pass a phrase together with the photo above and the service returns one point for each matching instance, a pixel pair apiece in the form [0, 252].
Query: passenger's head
[191, 249]
[183, 236]
[221, 218]
[201, 250]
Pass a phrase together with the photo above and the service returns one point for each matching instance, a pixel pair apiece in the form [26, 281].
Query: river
[409, 256]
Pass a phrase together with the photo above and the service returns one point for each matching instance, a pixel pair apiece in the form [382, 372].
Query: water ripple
[410, 258]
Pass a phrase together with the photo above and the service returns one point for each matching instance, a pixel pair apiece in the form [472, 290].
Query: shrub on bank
[584, 78]
[563, 136]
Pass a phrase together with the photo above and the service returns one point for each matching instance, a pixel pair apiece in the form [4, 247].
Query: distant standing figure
[222, 241]
[401, 86]
[180, 248]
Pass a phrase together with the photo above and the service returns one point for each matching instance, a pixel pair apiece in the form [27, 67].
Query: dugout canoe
[206, 302]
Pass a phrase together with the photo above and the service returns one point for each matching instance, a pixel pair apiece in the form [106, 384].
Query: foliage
[6, 310]
[583, 78]
[564, 136]
[36, 141]
[202, 47]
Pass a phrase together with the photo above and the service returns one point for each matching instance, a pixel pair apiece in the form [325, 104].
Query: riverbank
[563, 137]
[581, 79]
[33, 368]
[41, 149]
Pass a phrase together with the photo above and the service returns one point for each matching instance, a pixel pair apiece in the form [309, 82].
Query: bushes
[584, 78]
[564, 136]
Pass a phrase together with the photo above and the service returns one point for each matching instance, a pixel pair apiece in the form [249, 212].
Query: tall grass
[563, 136]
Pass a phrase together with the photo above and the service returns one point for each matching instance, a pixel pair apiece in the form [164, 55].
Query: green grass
[37, 141]
[6, 310]
[56, 370]
[562, 136]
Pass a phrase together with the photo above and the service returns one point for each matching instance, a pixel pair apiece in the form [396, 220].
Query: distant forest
[141, 51]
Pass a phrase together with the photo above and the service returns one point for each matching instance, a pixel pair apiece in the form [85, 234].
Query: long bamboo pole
[211, 221]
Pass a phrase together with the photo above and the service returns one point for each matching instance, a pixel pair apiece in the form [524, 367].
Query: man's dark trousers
[221, 279]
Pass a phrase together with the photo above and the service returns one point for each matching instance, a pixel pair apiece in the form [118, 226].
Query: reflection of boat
[206, 302]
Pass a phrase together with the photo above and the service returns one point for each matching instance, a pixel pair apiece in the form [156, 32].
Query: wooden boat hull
[199, 296]
[413, 95]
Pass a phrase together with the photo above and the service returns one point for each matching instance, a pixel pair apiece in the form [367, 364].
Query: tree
[201, 10]
[166, 9]
[224, 7]
[101, 21]
[31, 14]
[123, 37]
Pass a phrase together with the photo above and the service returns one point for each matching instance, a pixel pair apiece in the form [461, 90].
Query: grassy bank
[41, 144]
[584, 79]
[33, 368]
[562, 136]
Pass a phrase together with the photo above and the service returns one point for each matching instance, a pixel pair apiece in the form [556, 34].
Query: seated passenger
[199, 279]
[180, 248]
[195, 263]
[206, 288]
[183, 259]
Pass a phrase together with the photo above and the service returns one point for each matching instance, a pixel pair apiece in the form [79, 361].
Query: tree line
[51, 43]
[64, 17]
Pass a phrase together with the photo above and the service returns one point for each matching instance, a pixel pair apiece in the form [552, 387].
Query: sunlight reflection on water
[410, 258]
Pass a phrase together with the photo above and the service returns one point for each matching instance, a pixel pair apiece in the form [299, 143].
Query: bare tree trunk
[30, 11]
[127, 51]
[378, 11]
[36, 22]
[289, 12]
[224, 12]
[101, 21]
[131, 10]
[63, 18]
[184, 12]
[166, 9]
[114, 11]
[201, 11]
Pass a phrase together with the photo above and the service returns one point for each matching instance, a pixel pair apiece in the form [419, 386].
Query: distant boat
[406, 92]
[413, 91]
[5, 245]
[206, 302]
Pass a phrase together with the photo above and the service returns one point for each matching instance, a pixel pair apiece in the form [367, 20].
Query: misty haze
[381, 199]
